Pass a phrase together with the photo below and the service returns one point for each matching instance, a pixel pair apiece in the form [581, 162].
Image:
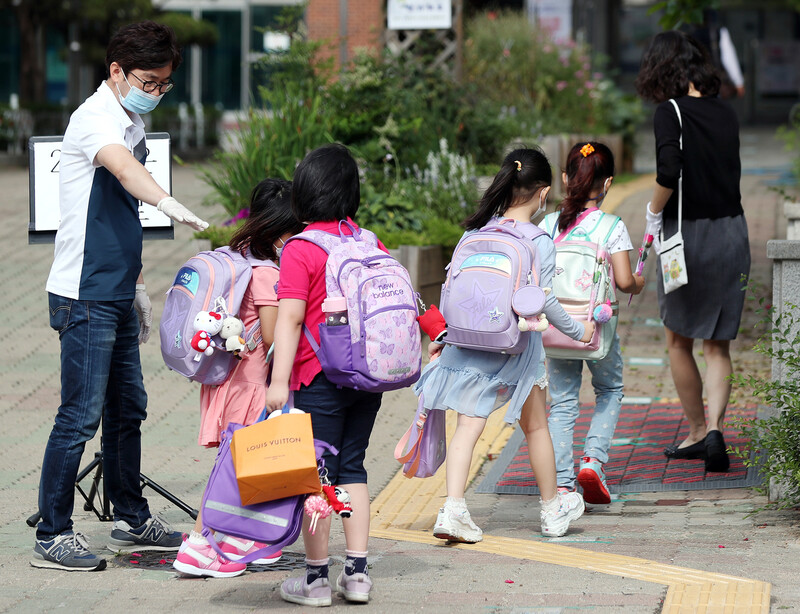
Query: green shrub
[774, 443]
[549, 88]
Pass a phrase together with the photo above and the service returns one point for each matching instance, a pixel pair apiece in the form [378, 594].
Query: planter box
[425, 267]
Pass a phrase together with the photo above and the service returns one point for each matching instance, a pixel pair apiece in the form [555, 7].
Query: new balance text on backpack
[380, 347]
[487, 267]
[583, 279]
[203, 283]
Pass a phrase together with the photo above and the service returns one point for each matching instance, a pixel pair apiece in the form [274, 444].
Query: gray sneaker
[155, 534]
[355, 587]
[316, 594]
[69, 551]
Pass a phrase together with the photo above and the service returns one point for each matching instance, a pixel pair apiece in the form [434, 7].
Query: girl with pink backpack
[588, 176]
[475, 382]
[240, 398]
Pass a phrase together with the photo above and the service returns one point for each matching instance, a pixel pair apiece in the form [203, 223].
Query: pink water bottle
[335, 310]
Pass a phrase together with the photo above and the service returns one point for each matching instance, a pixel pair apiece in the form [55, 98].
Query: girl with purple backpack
[475, 383]
[241, 397]
[326, 194]
[588, 176]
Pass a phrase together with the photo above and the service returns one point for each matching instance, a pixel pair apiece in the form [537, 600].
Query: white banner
[419, 14]
[552, 16]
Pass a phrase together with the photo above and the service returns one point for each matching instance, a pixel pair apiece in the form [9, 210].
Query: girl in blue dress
[475, 383]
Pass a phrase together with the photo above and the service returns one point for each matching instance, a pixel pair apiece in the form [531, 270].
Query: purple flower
[561, 85]
[242, 215]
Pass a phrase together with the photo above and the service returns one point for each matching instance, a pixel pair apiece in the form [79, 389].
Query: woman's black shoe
[692, 452]
[716, 456]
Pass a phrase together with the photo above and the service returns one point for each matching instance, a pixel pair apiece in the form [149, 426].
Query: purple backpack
[276, 523]
[491, 268]
[423, 447]
[209, 281]
[376, 345]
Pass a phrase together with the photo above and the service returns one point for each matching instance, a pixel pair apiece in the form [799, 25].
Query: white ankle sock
[197, 539]
[456, 503]
[550, 506]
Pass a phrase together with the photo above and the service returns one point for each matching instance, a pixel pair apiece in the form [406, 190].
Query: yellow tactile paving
[689, 590]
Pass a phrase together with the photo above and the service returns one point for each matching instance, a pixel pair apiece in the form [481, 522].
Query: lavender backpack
[377, 345]
[276, 523]
[488, 267]
[204, 283]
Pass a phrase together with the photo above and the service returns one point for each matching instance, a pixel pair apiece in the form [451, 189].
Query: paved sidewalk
[619, 559]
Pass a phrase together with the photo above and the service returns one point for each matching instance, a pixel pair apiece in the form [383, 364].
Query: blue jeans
[342, 417]
[101, 377]
[565, 386]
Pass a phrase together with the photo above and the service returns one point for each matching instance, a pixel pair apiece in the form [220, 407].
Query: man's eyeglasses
[152, 86]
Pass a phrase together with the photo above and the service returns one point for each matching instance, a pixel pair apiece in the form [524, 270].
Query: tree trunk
[32, 70]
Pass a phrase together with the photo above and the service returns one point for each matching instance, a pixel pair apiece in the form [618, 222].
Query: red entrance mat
[636, 458]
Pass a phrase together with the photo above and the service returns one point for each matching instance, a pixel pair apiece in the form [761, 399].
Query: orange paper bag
[275, 458]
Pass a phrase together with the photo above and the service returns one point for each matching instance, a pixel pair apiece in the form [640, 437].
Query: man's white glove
[654, 225]
[141, 302]
[176, 211]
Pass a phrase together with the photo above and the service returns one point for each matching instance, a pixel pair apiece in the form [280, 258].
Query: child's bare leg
[356, 527]
[533, 423]
[459, 453]
[316, 545]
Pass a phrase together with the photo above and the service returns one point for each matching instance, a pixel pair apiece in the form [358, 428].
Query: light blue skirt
[476, 383]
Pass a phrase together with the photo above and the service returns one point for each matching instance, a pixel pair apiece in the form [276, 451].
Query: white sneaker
[556, 524]
[455, 525]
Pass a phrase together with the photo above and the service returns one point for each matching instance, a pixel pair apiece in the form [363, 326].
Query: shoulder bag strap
[680, 177]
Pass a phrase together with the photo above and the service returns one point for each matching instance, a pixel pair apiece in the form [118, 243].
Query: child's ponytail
[522, 173]
[588, 166]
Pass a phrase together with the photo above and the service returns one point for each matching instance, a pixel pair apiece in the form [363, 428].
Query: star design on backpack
[478, 303]
[495, 315]
[584, 282]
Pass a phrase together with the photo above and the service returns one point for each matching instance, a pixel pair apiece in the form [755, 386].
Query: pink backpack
[206, 282]
[375, 343]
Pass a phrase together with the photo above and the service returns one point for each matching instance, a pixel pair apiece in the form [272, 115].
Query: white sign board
[419, 14]
[552, 16]
[45, 216]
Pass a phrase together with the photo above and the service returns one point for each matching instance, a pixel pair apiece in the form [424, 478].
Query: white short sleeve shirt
[98, 250]
[618, 240]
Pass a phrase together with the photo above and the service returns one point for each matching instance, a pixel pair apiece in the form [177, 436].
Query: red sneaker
[593, 481]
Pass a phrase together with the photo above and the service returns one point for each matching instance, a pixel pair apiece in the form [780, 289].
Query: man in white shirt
[98, 301]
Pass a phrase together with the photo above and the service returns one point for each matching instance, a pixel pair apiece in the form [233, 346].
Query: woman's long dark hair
[585, 174]
[522, 173]
[672, 61]
[270, 218]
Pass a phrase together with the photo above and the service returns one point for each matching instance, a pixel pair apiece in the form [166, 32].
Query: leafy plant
[776, 439]
[790, 135]
[546, 87]
[679, 12]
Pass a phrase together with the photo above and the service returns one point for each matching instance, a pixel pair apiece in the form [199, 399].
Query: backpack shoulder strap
[606, 225]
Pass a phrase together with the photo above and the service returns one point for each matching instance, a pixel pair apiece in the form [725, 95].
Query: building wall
[363, 22]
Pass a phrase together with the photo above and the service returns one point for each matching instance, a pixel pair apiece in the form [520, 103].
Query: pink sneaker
[234, 549]
[203, 561]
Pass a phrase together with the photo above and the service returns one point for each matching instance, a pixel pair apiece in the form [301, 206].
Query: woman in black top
[716, 243]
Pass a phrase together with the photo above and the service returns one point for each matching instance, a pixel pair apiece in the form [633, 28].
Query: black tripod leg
[168, 496]
[104, 513]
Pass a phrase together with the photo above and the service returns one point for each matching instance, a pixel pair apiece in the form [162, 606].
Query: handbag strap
[680, 176]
